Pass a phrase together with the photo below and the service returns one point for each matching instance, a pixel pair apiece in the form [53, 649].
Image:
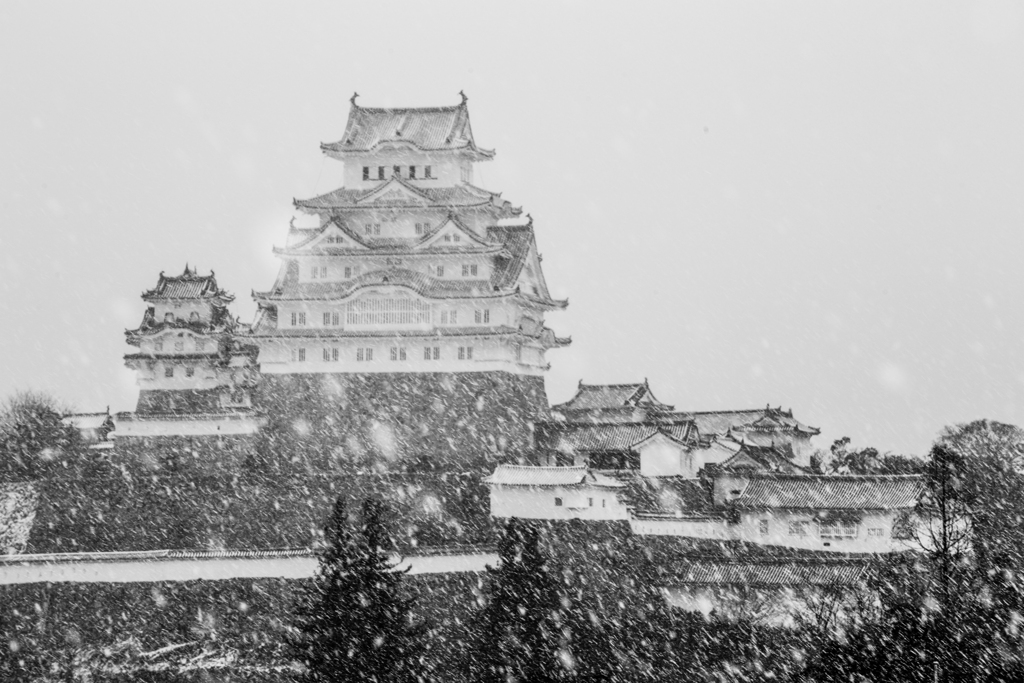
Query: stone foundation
[402, 422]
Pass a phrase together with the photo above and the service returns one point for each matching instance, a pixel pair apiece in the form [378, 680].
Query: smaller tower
[194, 376]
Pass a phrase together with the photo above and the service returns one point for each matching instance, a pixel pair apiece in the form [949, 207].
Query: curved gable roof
[424, 128]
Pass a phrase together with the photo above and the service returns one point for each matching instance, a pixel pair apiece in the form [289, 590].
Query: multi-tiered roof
[190, 359]
[409, 250]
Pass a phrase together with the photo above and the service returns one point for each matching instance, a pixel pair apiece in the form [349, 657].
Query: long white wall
[164, 565]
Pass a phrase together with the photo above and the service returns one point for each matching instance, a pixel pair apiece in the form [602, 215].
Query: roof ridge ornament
[353, 99]
[464, 99]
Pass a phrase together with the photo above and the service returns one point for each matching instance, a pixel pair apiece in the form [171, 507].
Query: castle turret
[191, 369]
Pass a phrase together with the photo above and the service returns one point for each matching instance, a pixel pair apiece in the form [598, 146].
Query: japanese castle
[411, 267]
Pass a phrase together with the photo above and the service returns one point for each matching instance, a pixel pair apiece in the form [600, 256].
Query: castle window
[419, 226]
[457, 238]
[412, 172]
[302, 355]
[380, 173]
[396, 171]
[397, 353]
[465, 174]
[335, 318]
[440, 271]
[431, 353]
[327, 320]
[366, 172]
[483, 316]
[465, 353]
[387, 311]
[877, 531]
[169, 371]
[190, 371]
[798, 528]
[762, 527]
[159, 346]
[838, 529]
[364, 354]
[454, 317]
[348, 272]
[330, 354]
[558, 502]
[447, 238]
[314, 271]
[469, 269]
[590, 502]
[444, 317]
[426, 172]
[323, 272]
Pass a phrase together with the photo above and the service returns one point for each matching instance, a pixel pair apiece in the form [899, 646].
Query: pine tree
[518, 630]
[353, 624]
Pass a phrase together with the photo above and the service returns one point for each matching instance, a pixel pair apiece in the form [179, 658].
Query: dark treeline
[566, 602]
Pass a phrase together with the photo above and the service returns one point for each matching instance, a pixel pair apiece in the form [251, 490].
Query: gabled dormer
[452, 234]
[395, 192]
[332, 237]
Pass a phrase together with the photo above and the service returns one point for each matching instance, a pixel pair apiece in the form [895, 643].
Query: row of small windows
[320, 273]
[179, 346]
[412, 172]
[837, 530]
[364, 354]
[190, 371]
[193, 317]
[383, 316]
[590, 502]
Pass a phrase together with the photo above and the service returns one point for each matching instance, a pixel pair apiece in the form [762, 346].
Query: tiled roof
[530, 475]
[605, 396]
[188, 285]
[327, 334]
[427, 129]
[421, 283]
[526, 475]
[854, 492]
[517, 241]
[575, 437]
[763, 458]
[664, 495]
[454, 197]
[765, 574]
[721, 422]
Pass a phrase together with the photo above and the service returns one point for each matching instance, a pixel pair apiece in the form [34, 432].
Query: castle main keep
[410, 295]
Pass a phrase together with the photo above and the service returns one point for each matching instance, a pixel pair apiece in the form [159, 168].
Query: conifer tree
[353, 623]
[519, 633]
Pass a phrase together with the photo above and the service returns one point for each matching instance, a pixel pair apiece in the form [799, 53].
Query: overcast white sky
[808, 204]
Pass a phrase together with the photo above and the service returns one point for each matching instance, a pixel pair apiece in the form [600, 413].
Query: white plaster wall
[107, 568]
[200, 426]
[539, 503]
[488, 355]
[445, 167]
[712, 528]
[662, 457]
[778, 534]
